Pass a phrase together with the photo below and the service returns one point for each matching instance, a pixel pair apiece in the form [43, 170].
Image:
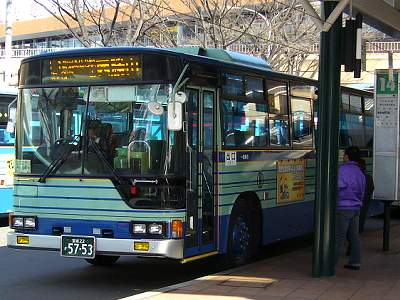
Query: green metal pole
[327, 146]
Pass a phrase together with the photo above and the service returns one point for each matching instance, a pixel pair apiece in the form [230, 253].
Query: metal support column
[327, 146]
[386, 225]
[8, 44]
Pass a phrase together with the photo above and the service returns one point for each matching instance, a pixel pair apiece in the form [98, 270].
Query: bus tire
[256, 230]
[240, 235]
[102, 260]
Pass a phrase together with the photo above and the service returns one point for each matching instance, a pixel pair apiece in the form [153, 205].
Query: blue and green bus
[180, 153]
[7, 138]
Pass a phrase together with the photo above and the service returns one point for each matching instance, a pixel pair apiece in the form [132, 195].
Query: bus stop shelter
[384, 16]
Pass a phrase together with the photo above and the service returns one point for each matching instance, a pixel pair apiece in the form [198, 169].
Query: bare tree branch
[279, 31]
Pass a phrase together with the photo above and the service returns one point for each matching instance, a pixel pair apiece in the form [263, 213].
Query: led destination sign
[92, 68]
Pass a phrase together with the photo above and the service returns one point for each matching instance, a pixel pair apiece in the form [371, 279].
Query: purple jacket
[351, 186]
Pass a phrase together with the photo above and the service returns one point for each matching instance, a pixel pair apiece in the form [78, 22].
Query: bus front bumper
[106, 246]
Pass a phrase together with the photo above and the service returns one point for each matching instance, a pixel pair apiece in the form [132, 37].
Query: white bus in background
[7, 138]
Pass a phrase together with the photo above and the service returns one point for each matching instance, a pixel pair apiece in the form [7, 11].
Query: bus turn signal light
[24, 240]
[141, 246]
[177, 229]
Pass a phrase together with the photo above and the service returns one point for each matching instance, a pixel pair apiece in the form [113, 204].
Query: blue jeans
[347, 226]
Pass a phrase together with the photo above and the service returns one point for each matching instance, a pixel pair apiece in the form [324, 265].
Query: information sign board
[92, 68]
[386, 135]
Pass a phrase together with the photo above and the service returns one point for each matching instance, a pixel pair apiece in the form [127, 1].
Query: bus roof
[226, 56]
[210, 53]
[212, 56]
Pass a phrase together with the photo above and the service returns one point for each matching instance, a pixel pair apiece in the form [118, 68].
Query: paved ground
[39, 275]
[289, 277]
[3, 236]
[45, 275]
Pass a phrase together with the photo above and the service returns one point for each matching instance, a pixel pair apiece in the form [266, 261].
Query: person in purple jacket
[351, 187]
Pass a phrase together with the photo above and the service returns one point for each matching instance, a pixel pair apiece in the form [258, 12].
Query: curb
[169, 288]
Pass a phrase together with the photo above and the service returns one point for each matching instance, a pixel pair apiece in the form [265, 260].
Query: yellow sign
[6, 169]
[290, 180]
[173, 29]
[95, 67]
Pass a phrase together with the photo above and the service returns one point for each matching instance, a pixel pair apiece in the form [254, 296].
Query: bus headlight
[17, 222]
[139, 228]
[23, 222]
[155, 228]
[30, 222]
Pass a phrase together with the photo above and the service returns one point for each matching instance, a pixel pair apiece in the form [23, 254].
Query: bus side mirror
[12, 118]
[175, 112]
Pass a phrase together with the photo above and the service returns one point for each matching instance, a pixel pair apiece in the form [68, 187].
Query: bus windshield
[6, 137]
[110, 128]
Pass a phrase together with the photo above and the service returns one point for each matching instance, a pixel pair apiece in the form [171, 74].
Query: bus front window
[98, 130]
[133, 139]
[50, 119]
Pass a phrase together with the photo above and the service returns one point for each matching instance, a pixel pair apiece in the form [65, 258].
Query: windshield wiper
[100, 153]
[59, 161]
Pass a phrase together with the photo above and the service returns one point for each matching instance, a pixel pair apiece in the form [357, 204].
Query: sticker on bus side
[230, 158]
[22, 166]
[6, 169]
[290, 180]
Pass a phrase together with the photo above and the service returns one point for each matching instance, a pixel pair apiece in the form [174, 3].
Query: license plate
[78, 246]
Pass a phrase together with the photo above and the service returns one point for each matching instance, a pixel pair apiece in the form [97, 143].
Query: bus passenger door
[200, 218]
[192, 170]
[207, 170]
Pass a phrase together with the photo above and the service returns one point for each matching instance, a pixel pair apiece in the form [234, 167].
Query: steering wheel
[75, 139]
[44, 160]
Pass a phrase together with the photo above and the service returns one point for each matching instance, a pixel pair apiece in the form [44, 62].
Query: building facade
[47, 34]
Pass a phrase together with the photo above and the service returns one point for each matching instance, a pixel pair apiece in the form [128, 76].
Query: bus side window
[254, 88]
[351, 123]
[345, 104]
[244, 124]
[302, 128]
[355, 104]
[232, 85]
[278, 114]
[315, 115]
[369, 121]
[301, 110]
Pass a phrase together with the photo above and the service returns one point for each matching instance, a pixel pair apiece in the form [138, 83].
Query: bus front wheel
[102, 260]
[241, 235]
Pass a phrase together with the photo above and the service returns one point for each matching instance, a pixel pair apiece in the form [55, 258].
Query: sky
[22, 9]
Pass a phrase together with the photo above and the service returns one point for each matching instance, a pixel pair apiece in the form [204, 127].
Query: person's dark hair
[94, 124]
[361, 163]
[353, 153]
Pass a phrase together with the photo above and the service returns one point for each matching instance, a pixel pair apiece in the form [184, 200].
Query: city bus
[7, 138]
[168, 153]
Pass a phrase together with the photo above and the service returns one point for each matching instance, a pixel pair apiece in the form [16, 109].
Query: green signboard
[384, 85]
